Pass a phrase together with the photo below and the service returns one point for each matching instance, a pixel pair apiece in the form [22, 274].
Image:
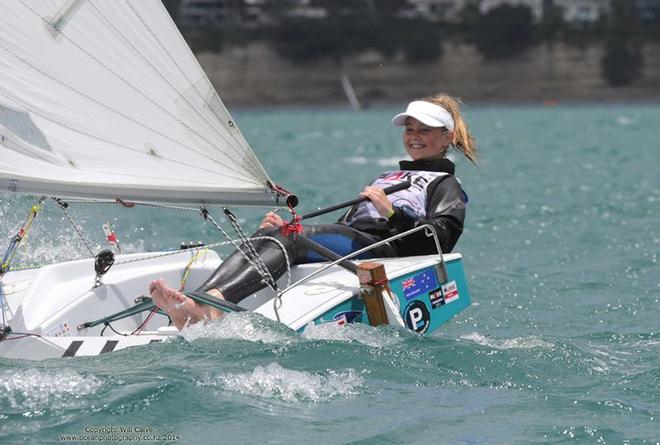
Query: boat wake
[380, 337]
[253, 327]
[33, 392]
[247, 326]
[276, 382]
[531, 342]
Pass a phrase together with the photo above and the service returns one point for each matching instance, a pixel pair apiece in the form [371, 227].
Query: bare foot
[182, 310]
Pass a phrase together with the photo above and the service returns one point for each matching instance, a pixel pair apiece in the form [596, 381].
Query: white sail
[104, 99]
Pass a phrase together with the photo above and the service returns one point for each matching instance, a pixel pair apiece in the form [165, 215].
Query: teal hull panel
[424, 303]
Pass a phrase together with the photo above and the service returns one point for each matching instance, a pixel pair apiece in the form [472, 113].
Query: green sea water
[560, 345]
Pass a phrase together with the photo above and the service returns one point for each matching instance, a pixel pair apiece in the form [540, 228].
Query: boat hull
[49, 309]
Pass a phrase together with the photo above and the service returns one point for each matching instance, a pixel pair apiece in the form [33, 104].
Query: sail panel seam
[210, 125]
[125, 116]
[217, 161]
[253, 157]
[116, 144]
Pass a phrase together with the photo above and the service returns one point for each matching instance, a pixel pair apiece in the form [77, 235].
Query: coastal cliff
[254, 75]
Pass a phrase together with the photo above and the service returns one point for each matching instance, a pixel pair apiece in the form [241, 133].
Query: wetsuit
[434, 197]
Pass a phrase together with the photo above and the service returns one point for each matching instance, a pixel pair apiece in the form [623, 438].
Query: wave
[276, 382]
[367, 335]
[531, 342]
[247, 326]
[33, 391]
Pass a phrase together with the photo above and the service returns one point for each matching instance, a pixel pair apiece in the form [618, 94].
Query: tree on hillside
[503, 31]
[552, 25]
[351, 27]
[623, 60]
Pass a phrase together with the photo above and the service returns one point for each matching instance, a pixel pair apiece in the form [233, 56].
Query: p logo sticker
[417, 316]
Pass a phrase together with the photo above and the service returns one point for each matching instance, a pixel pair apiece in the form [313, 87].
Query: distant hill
[255, 74]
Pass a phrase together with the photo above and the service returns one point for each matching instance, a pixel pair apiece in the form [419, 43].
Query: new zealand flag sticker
[419, 284]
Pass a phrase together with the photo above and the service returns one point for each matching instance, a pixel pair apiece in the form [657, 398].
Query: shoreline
[255, 76]
[307, 107]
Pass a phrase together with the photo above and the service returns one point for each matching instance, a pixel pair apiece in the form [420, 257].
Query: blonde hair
[463, 140]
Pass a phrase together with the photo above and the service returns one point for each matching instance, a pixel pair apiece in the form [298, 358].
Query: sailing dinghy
[104, 102]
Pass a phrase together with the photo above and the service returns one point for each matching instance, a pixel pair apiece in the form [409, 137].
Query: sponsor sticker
[436, 298]
[417, 316]
[347, 317]
[59, 330]
[446, 294]
[450, 291]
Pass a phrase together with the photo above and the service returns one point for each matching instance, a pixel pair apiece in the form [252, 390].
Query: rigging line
[286, 255]
[236, 245]
[256, 259]
[115, 331]
[212, 245]
[75, 226]
[144, 323]
[144, 204]
[2, 307]
[18, 239]
[20, 335]
[206, 246]
[116, 144]
[173, 252]
[131, 86]
[250, 247]
[166, 80]
[251, 154]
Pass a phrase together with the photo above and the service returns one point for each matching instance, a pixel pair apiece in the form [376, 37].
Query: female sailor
[432, 125]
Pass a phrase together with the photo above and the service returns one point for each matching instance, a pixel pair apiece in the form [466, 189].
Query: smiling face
[424, 142]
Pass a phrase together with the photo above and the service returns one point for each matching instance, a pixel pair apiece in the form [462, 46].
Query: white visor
[427, 113]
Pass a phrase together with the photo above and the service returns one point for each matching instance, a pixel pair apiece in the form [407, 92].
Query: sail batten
[118, 107]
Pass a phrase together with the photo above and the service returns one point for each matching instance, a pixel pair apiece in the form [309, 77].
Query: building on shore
[436, 10]
[583, 11]
[255, 13]
[216, 13]
[535, 6]
[649, 9]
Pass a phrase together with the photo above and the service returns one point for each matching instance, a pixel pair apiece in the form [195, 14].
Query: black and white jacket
[434, 197]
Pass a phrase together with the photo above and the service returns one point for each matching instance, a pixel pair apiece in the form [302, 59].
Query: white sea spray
[276, 382]
[366, 335]
[241, 326]
[530, 342]
[35, 391]
[357, 160]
